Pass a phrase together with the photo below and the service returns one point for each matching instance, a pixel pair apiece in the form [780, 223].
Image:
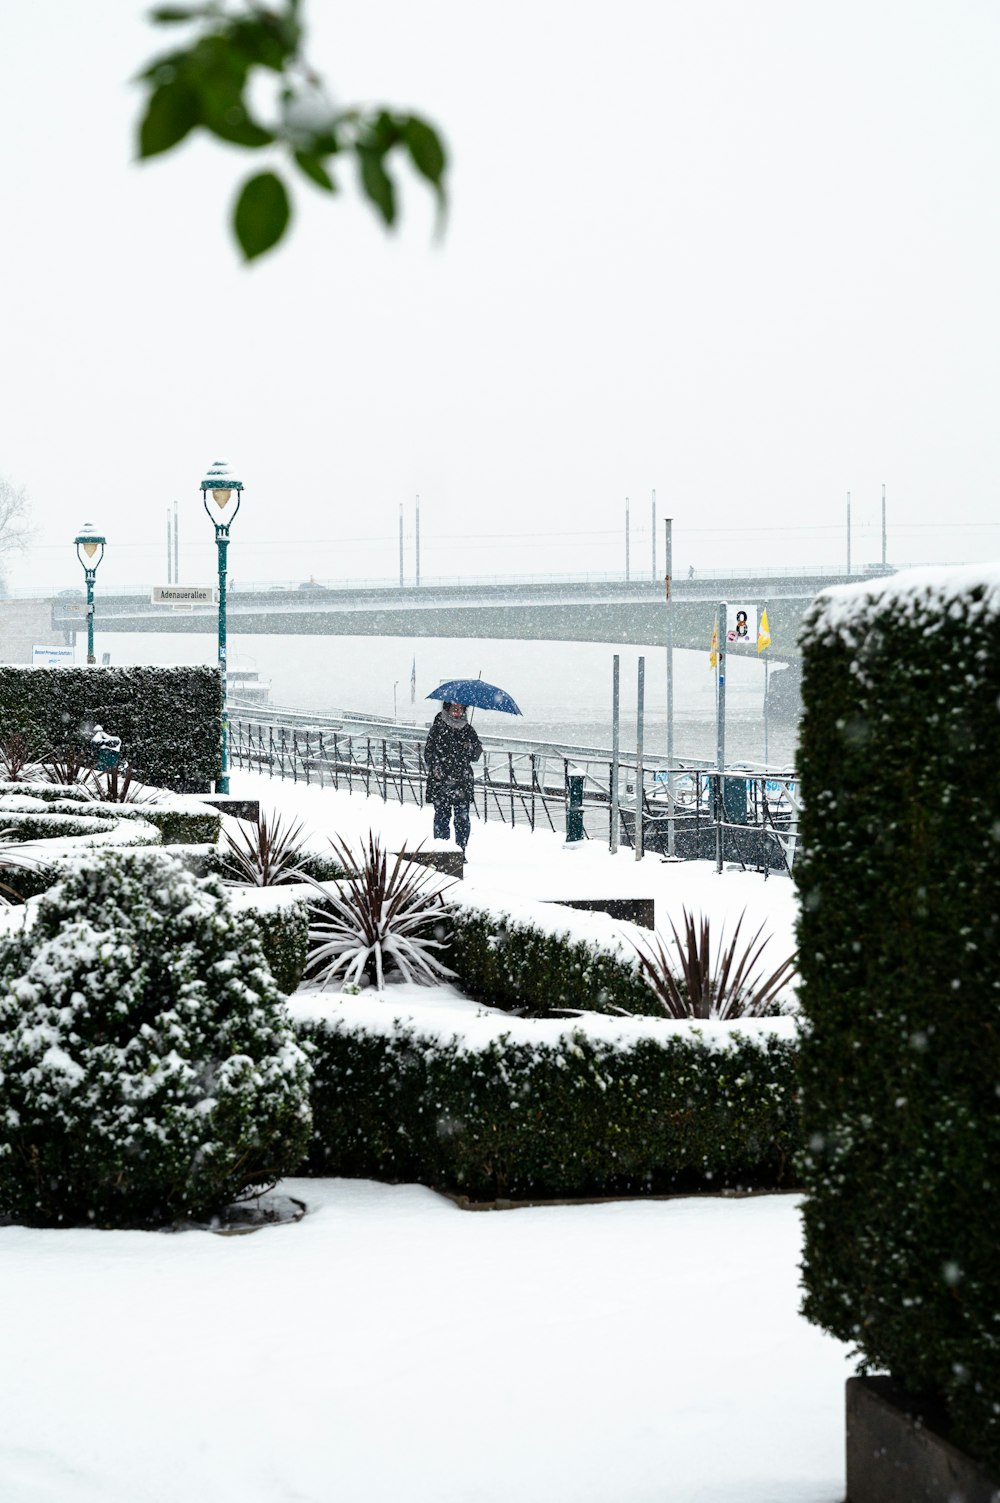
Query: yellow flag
[763, 633]
[713, 656]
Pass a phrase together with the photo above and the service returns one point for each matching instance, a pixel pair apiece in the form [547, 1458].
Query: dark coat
[449, 753]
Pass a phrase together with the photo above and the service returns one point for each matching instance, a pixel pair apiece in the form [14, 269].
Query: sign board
[183, 594]
[741, 625]
[53, 657]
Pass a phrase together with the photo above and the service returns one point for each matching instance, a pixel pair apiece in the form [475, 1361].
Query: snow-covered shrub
[377, 919]
[691, 1109]
[279, 917]
[147, 1066]
[693, 986]
[181, 820]
[538, 957]
[169, 719]
[899, 954]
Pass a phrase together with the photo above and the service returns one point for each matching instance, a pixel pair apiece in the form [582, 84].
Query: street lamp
[88, 539]
[221, 483]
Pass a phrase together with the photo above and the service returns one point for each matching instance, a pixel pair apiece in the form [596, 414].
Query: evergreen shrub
[148, 1069]
[576, 1117]
[899, 943]
[169, 719]
[283, 933]
[530, 961]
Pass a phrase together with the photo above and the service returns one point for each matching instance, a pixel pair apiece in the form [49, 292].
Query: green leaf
[173, 110]
[261, 215]
[377, 183]
[426, 149]
[314, 169]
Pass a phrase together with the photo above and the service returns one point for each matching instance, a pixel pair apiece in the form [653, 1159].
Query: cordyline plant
[19, 757]
[267, 855]
[377, 920]
[734, 989]
[68, 765]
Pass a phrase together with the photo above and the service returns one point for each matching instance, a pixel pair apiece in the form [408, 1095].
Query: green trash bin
[107, 750]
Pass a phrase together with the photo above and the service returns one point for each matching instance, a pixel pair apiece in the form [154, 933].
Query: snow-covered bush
[169, 718]
[899, 945]
[279, 917]
[377, 919]
[507, 1116]
[147, 1066]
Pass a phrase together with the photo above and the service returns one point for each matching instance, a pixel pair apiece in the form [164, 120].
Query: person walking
[451, 748]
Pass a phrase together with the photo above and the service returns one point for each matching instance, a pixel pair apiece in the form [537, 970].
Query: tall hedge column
[222, 484]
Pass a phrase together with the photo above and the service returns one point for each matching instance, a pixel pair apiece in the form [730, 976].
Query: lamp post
[88, 539]
[221, 482]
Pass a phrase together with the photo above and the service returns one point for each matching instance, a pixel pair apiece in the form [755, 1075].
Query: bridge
[574, 610]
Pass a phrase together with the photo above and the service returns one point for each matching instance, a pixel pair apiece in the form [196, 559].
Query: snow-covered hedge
[169, 719]
[899, 941]
[511, 1109]
[279, 916]
[148, 1069]
[525, 954]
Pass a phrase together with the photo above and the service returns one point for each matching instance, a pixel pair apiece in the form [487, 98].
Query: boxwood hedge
[579, 1117]
[899, 943]
[169, 719]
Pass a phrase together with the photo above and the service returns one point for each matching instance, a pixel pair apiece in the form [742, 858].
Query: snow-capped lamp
[221, 481]
[87, 541]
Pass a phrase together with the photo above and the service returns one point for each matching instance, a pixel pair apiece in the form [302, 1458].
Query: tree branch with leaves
[203, 85]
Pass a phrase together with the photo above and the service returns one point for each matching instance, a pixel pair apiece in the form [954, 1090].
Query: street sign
[741, 625]
[53, 657]
[183, 594]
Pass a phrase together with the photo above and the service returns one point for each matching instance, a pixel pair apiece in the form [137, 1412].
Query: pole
[767, 664]
[170, 576]
[395, 715]
[639, 712]
[222, 544]
[652, 533]
[90, 615]
[883, 527]
[668, 544]
[177, 551]
[417, 530]
[615, 751]
[400, 545]
[626, 541]
[721, 734]
[848, 534]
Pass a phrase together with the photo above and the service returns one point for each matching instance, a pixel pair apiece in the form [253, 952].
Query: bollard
[574, 807]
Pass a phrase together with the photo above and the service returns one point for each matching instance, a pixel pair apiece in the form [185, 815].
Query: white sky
[743, 254]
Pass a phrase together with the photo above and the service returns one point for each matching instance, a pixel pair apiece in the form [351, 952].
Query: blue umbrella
[473, 691]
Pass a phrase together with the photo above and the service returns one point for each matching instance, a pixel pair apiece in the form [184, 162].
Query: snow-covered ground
[391, 1348]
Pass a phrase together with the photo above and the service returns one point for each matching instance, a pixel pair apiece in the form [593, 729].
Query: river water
[564, 689]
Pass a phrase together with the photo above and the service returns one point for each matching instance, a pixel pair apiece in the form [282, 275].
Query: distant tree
[15, 528]
[204, 84]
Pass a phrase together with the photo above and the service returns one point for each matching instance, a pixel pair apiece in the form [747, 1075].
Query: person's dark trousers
[442, 822]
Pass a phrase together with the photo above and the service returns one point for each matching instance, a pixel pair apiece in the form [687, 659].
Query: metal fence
[746, 817]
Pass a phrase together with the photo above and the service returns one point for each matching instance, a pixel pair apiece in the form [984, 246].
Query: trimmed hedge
[529, 960]
[575, 1118]
[899, 943]
[169, 719]
[281, 928]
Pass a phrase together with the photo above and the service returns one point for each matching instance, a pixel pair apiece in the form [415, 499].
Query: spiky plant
[19, 754]
[68, 764]
[376, 920]
[119, 785]
[267, 854]
[734, 988]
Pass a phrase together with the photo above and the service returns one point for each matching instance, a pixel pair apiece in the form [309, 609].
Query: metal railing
[746, 817]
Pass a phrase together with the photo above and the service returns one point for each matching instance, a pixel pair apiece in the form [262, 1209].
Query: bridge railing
[748, 818]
